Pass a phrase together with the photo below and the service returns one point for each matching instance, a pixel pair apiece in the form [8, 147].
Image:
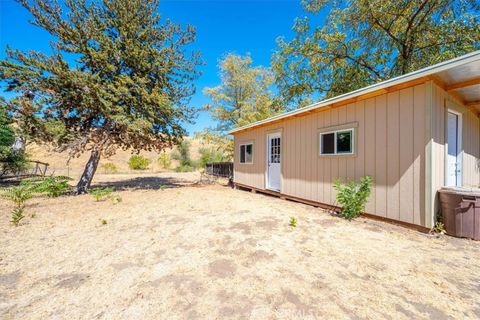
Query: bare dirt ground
[190, 251]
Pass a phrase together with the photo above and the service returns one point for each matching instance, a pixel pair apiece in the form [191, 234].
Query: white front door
[453, 161]
[274, 161]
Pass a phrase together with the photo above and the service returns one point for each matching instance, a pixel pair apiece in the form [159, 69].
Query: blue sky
[222, 26]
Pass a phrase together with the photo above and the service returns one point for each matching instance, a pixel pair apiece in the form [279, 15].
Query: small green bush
[109, 168]
[138, 162]
[164, 160]
[19, 195]
[353, 196]
[17, 216]
[293, 222]
[101, 193]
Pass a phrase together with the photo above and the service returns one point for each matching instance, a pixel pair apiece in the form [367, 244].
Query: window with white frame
[246, 153]
[338, 142]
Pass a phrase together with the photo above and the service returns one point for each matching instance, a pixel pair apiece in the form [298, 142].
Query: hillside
[58, 161]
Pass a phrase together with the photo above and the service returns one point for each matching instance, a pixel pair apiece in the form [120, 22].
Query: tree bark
[88, 172]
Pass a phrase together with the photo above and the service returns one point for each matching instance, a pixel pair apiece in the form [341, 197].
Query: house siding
[390, 147]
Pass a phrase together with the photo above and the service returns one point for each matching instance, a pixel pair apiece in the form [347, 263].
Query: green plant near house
[101, 193]
[293, 222]
[109, 168]
[164, 160]
[138, 162]
[353, 196]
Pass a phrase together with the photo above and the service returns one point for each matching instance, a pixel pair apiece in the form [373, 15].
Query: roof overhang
[459, 76]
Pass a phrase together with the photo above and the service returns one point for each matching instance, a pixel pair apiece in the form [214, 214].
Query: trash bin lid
[469, 191]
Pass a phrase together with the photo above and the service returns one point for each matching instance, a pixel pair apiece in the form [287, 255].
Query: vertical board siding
[470, 142]
[390, 147]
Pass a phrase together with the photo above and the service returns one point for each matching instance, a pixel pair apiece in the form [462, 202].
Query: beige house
[413, 134]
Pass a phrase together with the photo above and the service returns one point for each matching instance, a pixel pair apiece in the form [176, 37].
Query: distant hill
[58, 161]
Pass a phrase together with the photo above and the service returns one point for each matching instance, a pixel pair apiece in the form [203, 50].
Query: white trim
[474, 56]
[451, 108]
[335, 153]
[275, 134]
[240, 152]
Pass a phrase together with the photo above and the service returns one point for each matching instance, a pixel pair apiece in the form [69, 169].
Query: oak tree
[362, 42]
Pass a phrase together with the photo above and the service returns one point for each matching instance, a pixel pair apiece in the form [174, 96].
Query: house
[413, 134]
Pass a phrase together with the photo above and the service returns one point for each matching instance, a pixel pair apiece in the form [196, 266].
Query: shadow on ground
[144, 183]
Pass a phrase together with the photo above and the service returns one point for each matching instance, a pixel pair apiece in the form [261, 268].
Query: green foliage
[51, 186]
[243, 96]
[109, 168]
[100, 194]
[439, 228]
[293, 222]
[353, 196]
[182, 155]
[19, 194]
[162, 187]
[7, 136]
[14, 162]
[103, 222]
[210, 154]
[127, 88]
[363, 42]
[17, 216]
[164, 160]
[138, 162]
[222, 143]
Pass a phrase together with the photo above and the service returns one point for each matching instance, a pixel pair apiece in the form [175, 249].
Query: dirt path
[211, 252]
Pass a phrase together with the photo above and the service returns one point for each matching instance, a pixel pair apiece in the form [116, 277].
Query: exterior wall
[391, 140]
[470, 142]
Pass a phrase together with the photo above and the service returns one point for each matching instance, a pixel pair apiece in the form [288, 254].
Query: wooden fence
[34, 168]
[220, 169]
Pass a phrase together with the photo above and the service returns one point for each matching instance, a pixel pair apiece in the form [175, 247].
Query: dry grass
[193, 251]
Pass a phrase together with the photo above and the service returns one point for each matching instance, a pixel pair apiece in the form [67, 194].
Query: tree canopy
[119, 77]
[244, 96]
[7, 136]
[367, 41]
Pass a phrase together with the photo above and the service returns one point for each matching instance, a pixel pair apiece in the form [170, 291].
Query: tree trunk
[88, 172]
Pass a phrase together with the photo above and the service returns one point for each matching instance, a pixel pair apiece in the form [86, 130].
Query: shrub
[19, 195]
[101, 193]
[109, 168]
[353, 196]
[138, 162]
[164, 160]
[52, 186]
[293, 222]
[17, 216]
[14, 162]
[210, 155]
